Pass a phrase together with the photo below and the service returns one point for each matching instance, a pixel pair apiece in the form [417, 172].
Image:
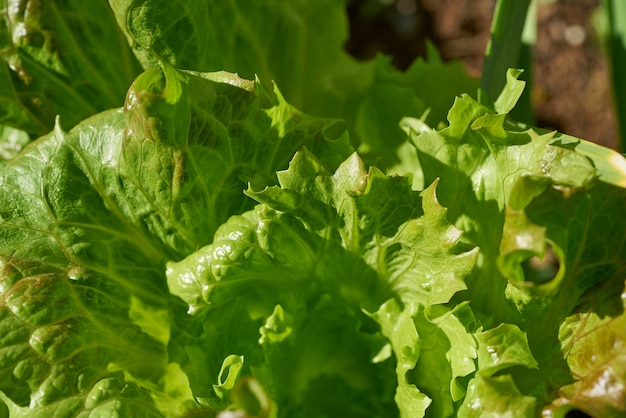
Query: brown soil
[571, 78]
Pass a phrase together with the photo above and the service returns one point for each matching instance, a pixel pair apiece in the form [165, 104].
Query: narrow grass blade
[616, 14]
[512, 36]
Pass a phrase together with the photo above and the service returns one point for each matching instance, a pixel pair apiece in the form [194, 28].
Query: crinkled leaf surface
[68, 342]
[300, 45]
[498, 396]
[345, 292]
[585, 312]
[89, 218]
[593, 338]
[302, 267]
[268, 290]
[110, 397]
[296, 43]
[549, 235]
[65, 58]
[447, 353]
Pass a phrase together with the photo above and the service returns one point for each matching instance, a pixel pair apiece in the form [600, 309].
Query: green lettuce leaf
[90, 217]
[210, 250]
[583, 302]
[252, 38]
[267, 290]
[65, 58]
[497, 396]
[111, 397]
[299, 45]
[302, 268]
[593, 338]
[67, 342]
[542, 208]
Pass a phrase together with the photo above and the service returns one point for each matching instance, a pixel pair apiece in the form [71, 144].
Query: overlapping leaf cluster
[204, 248]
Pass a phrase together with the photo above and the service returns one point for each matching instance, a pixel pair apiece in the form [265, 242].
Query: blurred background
[571, 89]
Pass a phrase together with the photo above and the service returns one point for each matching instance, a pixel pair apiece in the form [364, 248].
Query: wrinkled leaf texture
[552, 253]
[89, 217]
[497, 289]
[299, 45]
[63, 58]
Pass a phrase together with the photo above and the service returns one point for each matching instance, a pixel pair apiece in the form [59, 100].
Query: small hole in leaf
[538, 270]
[576, 413]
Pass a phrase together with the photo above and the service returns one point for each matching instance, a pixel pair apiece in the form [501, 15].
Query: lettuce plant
[205, 248]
